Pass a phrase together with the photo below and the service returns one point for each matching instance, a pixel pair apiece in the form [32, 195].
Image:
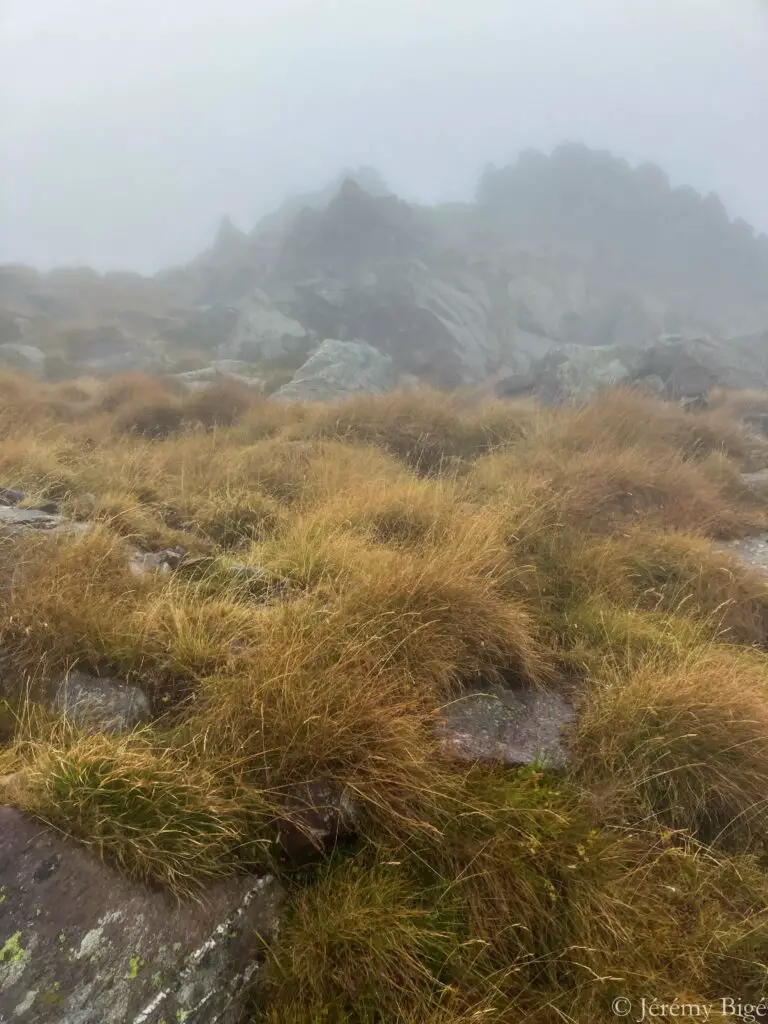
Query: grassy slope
[422, 541]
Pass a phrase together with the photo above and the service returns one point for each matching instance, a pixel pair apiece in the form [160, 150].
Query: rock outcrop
[26, 358]
[340, 368]
[263, 334]
[572, 251]
[82, 944]
[674, 366]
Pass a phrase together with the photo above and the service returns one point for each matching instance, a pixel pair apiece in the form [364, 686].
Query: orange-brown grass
[150, 812]
[739, 404]
[365, 560]
[220, 404]
[518, 907]
[605, 491]
[129, 389]
[624, 418]
[679, 574]
[155, 418]
[689, 739]
[426, 429]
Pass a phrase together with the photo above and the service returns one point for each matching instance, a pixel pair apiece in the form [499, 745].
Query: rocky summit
[559, 278]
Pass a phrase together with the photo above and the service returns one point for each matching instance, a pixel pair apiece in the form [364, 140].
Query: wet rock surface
[318, 816]
[81, 944]
[512, 726]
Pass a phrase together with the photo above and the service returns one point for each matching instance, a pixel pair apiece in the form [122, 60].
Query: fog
[130, 126]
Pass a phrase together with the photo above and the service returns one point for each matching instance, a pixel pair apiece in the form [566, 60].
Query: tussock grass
[363, 562]
[521, 907]
[690, 738]
[150, 812]
[428, 430]
[625, 418]
[739, 404]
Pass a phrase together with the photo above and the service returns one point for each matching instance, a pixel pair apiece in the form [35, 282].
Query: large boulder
[25, 358]
[82, 944]
[692, 366]
[340, 368]
[263, 334]
[573, 373]
[437, 329]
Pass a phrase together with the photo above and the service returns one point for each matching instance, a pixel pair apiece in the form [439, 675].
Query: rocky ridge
[574, 260]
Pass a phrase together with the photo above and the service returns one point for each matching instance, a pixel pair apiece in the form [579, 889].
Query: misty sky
[128, 127]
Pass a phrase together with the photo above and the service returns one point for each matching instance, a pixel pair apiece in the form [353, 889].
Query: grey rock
[219, 370]
[454, 332]
[207, 373]
[752, 551]
[510, 726]
[757, 422]
[516, 384]
[694, 403]
[574, 373]
[691, 366]
[26, 358]
[652, 385]
[525, 349]
[16, 520]
[81, 944]
[101, 704]
[9, 496]
[340, 368]
[757, 481]
[231, 366]
[318, 816]
[263, 334]
[143, 562]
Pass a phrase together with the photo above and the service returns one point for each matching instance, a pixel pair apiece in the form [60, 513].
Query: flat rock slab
[511, 727]
[757, 481]
[14, 521]
[102, 704]
[81, 944]
[753, 551]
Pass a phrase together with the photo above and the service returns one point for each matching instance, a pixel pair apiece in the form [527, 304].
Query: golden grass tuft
[219, 404]
[148, 811]
[427, 430]
[689, 738]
